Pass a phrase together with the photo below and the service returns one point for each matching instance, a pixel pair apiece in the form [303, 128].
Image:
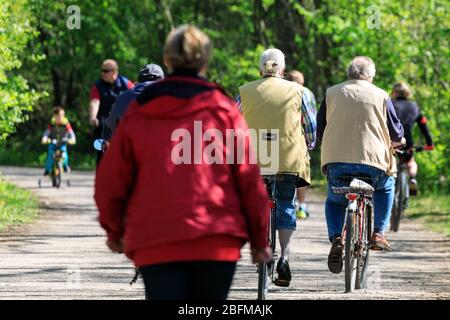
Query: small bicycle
[57, 165]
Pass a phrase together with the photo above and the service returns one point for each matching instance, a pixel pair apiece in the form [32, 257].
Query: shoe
[46, 173]
[302, 214]
[67, 169]
[284, 273]
[335, 261]
[413, 187]
[379, 242]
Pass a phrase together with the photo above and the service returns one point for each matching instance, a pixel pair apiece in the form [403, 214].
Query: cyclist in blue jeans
[357, 125]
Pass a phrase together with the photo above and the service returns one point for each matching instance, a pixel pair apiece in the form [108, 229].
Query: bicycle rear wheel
[350, 258]
[363, 260]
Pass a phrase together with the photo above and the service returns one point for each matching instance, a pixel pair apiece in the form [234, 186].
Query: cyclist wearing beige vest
[279, 112]
[357, 124]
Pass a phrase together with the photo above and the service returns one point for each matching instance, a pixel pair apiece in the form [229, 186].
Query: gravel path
[63, 256]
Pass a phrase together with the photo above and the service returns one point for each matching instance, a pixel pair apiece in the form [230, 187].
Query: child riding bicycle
[58, 134]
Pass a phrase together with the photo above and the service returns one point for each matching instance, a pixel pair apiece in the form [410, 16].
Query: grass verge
[432, 210]
[17, 206]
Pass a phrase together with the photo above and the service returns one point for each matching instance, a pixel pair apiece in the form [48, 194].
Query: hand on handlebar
[397, 145]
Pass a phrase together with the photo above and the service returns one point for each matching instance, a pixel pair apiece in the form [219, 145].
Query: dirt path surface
[63, 256]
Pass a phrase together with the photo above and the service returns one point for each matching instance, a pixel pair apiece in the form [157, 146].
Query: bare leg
[285, 236]
[412, 168]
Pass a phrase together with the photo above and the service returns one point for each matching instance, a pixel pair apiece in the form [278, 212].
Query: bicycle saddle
[356, 186]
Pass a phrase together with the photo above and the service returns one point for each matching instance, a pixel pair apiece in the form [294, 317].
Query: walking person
[182, 219]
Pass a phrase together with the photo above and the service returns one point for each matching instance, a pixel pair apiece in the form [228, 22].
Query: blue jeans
[51, 151]
[336, 204]
[284, 192]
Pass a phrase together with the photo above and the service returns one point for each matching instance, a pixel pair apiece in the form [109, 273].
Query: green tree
[16, 97]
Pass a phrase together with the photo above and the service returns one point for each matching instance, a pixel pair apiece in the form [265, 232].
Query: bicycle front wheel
[262, 280]
[350, 257]
[397, 209]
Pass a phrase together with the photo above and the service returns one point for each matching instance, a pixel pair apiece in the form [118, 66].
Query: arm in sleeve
[422, 123]
[114, 179]
[239, 103]
[395, 127]
[309, 122]
[321, 120]
[70, 134]
[46, 135]
[110, 123]
[249, 184]
[94, 94]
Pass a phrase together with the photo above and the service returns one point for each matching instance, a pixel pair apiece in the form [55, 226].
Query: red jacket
[171, 212]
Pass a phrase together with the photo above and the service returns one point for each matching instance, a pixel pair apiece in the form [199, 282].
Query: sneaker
[302, 214]
[335, 261]
[379, 242]
[284, 273]
[413, 187]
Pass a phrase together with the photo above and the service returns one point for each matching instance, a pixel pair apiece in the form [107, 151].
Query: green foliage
[16, 98]
[433, 210]
[319, 37]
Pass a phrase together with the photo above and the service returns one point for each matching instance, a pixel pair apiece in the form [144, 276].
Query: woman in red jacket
[175, 197]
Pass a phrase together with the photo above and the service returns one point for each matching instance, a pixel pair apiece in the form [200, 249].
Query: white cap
[271, 61]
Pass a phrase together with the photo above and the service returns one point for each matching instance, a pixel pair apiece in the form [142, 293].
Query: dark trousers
[98, 135]
[202, 280]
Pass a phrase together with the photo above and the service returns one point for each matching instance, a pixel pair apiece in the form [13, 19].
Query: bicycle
[57, 165]
[401, 196]
[278, 189]
[357, 229]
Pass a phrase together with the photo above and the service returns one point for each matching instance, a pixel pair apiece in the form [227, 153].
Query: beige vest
[356, 130]
[275, 104]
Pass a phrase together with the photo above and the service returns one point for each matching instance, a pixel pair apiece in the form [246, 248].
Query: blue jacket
[120, 107]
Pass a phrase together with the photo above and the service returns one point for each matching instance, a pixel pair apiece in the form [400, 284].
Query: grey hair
[362, 68]
[271, 62]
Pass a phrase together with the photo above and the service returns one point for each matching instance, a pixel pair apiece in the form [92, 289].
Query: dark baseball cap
[150, 72]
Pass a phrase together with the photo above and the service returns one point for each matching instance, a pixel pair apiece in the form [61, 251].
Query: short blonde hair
[402, 90]
[187, 47]
[110, 63]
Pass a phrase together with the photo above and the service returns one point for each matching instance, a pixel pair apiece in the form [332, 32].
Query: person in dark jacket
[147, 76]
[409, 113]
[166, 197]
